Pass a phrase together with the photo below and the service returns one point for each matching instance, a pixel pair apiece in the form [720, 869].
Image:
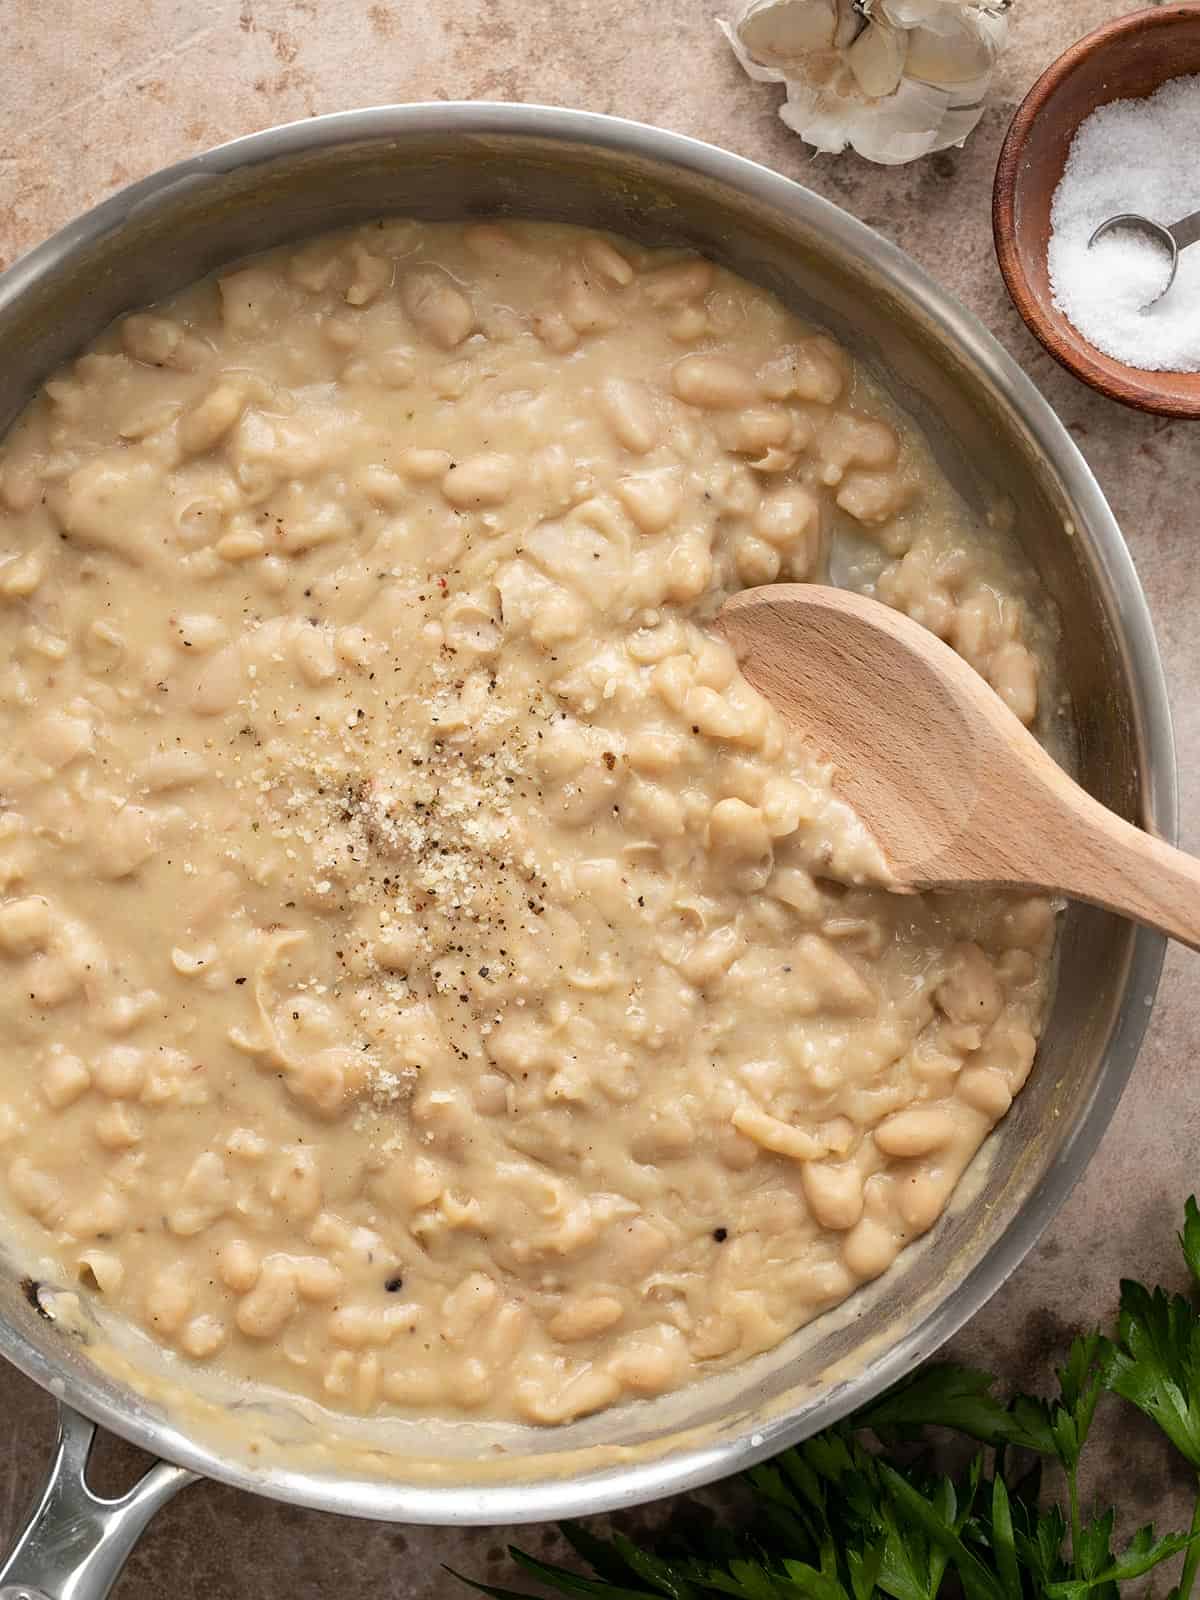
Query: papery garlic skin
[780, 33]
[893, 79]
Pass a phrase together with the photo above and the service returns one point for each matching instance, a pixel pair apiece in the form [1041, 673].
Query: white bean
[969, 992]
[651, 498]
[438, 309]
[372, 275]
[211, 420]
[834, 1193]
[553, 329]
[757, 561]
[873, 497]
[1013, 673]
[119, 1071]
[99, 1216]
[606, 260]
[172, 769]
[170, 1297]
[24, 925]
[221, 681]
[423, 465]
[814, 369]
[150, 338]
[238, 1264]
[467, 1304]
[359, 1325]
[65, 1078]
[272, 1302]
[316, 1278]
[584, 1316]
[20, 575]
[916, 1132]
[628, 407]
[984, 1089]
[203, 1336]
[296, 1187]
[118, 1127]
[682, 280]
[204, 1195]
[481, 480]
[315, 657]
[755, 431]
[870, 1248]
[738, 830]
[37, 1192]
[585, 306]
[786, 516]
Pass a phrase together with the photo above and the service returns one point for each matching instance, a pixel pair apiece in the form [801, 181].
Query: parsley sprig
[859, 1512]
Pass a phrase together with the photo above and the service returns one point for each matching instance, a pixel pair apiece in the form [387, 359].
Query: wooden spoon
[953, 788]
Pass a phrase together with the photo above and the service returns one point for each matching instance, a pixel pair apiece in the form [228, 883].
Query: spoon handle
[1143, 878]
[1074, 846]
[1186, 231]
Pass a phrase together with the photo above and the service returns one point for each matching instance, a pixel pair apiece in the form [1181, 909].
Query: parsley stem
[1076, 1524]
[1192, 1560]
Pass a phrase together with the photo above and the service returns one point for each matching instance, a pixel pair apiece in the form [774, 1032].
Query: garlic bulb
[894, 79]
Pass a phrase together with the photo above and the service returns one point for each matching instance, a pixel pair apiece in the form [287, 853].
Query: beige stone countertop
[99, 92]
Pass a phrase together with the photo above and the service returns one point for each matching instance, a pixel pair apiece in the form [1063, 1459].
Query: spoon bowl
[1160, 236]
[955, 790]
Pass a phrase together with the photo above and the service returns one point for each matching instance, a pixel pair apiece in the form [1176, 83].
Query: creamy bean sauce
[431, 977]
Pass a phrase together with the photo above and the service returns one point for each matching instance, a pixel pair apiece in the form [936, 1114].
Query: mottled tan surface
[123, 88]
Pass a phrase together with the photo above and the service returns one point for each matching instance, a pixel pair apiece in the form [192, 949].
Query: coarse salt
[1138, 156]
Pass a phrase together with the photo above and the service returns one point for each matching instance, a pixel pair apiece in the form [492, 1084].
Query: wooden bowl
[1125, 59]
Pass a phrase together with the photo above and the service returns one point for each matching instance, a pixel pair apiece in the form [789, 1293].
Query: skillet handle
[75, 1543]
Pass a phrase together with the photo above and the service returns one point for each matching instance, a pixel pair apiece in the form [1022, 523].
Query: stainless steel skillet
[1001, 443]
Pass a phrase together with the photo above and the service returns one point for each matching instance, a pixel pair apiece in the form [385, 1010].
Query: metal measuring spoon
[1173, 238]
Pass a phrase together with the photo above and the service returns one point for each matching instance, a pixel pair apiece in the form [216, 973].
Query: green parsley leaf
[1080, 1382]
[978, 1581]
[571, 1582]
[659, 1575]
[864, 1568]
[1189, 1239]
[557, 1578]
[602, 1556]
[1004, 1544]
[1143, 1552]
[494, 1591]
[1094, 1551]
[1155, 1363]
[905, 1571]
[1041, 1548]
